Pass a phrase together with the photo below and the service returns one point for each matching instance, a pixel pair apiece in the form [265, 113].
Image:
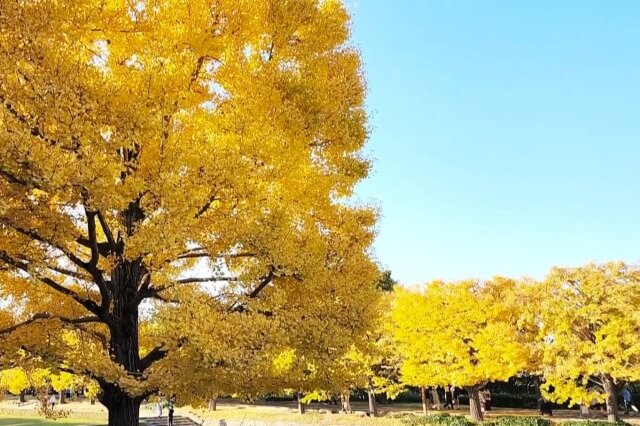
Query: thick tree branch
[202, 210]
[107, 232]
[92, 265]
[37, 237]
[12, 178]
[34, 130]
[93, 238]
[156, 354]
[88, 304]
[68, 272]
[103, 248]
[46, 315]
[265, 281]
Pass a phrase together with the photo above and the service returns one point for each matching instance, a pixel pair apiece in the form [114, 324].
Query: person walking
[52, 400]
[487, 400]
[448, 397]
[626, 398]
[171, 409]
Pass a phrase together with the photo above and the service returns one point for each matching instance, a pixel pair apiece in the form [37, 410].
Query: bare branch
[205, 279]
[200, 253]
[265, 281]
[157, 296]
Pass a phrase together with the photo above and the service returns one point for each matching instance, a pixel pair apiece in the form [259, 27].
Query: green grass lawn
[36, 421]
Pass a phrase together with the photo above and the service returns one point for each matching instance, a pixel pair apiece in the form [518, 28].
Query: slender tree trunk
[300, 404]
[436, 398]
[474, 404]
[373, 409]
[454, 402]
[611, 390]
[425, 401]
[63, 397]
[22, 397]
[124, 347]
[213, 403]
[92, 401]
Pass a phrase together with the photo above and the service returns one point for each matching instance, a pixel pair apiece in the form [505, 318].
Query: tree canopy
[461, 334]
[163, 152]
[590, 326]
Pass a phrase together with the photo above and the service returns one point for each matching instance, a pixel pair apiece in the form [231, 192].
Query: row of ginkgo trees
[578, 329]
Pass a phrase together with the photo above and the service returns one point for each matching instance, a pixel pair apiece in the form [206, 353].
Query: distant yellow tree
[372, 362]
[590, 332]
[461, 334]
[147, 147]
[15, 381]
[61, 382]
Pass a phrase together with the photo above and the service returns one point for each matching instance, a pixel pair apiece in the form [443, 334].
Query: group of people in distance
[545, 406]
[627, 400]
[169, 404]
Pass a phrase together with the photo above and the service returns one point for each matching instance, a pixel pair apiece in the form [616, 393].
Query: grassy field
[38, 421]
[262, 413]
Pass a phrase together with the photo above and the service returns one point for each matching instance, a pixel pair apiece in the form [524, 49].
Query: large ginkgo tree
[147, 147]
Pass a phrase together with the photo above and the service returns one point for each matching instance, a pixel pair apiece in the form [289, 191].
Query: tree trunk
[300, 404]
[436, 398]
[123, 342]
[123, 409]
[373, 410]
[63, 397]
[22, 397]
[92, 401]
[345, 399]
[455, 404]
[474, 404]
[611, 390]
[425, 402]
[213, 403]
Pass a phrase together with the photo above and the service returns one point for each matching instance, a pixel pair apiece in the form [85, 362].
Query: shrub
[592, 423]
[436, 420]
[521, 421]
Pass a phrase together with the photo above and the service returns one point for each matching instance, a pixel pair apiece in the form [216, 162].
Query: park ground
[81, 413]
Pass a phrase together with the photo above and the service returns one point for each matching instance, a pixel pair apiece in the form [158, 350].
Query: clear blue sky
[505, 134]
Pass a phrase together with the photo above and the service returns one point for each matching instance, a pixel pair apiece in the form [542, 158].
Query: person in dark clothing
[626, 398]
[545, 407]
[172, 401]
[448, 398]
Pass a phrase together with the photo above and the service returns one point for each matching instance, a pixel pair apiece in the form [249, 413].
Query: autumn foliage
[172, 186]
[176, 217]
[577, 330]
